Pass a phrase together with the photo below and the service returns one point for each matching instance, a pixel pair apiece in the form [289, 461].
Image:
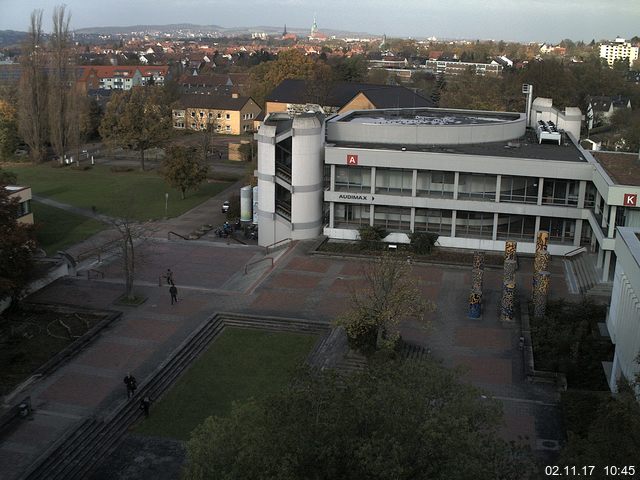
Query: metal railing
[574, 252]
[272, 246]
[246, 267]
[176, 234]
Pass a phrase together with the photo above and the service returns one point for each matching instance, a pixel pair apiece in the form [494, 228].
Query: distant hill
[11, 37]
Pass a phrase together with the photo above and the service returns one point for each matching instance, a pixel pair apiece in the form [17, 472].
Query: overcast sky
[521, 20]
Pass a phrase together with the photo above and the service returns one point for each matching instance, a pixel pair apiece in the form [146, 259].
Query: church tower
[314, 27]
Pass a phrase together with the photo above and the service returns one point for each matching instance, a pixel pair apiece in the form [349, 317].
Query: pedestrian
[169, 276]
[174, 294]
[131, 384]
[145, 403]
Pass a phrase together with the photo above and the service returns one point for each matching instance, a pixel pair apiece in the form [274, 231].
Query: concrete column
[331, 214]
[412, 227]
[606, 266]
[605, 215]
[536, 229]
[615, 373]
[414, 185]
[582, 193]
[494, 235]
[373, 181]
[596, 207]
[600, 258]
[498, 187]
[612, 221]
[540, 187]
[454, 214]
[371, 214]
[456, 182]
[578, 233]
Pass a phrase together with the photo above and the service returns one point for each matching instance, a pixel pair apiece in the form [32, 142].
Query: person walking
[174, 294]
[145, 403]
[169, 276]
[131, 384]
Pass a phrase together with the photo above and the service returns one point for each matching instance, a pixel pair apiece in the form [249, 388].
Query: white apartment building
[617, 50]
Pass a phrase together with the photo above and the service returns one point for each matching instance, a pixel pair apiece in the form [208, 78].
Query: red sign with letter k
[352, 159]
[630, 199]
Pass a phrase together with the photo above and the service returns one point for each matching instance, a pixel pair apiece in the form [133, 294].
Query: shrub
[422, 242]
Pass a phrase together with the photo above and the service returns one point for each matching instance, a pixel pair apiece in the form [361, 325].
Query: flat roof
[623, 168]
[524, 147]
[427, 116]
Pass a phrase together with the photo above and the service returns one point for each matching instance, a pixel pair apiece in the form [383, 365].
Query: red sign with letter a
[352, 159]
[630, 199]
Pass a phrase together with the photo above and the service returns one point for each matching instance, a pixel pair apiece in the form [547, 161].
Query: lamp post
[166, 204]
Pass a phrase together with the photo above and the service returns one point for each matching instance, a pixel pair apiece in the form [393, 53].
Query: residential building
[603, 108]
[475, 178]
[297, 96]
[623, 317]
[23, 197]
[619, 49]
[232, 115]
[120, 77]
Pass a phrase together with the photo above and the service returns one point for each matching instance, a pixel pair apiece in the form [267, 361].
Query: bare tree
[32, 91]
[64, 121]
[130, 234]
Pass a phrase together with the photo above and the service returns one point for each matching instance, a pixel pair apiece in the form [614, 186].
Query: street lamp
[166, 204]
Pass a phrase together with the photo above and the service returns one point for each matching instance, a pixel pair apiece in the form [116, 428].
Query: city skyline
[509, 20]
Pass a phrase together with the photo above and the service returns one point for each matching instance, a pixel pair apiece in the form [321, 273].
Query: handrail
[246, 267]
[575, 251]
[176, 234]
[99, 272]
[266, 249]
[98, 251]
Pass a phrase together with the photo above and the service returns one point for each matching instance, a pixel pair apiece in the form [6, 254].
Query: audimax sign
[355, 196]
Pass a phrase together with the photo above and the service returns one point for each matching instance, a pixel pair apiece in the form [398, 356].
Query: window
[393, 181]
[24, 208]
[348, 215]
[435, 184]
[561, 230]
[392, 218]
[210, 115]
[193, 114]
[353, 179]
[474, 224]
[219, 115]
[227, 116]
[560, 192]
[193, 125]
[435, 221]
[476, 186]
[228, 128]
[516, 227]
[201, 114]
[519, 189]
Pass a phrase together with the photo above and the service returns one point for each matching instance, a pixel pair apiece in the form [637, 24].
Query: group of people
[132, 384]
[173, 291]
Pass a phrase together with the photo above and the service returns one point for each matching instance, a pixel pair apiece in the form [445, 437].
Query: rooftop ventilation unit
[548, 131]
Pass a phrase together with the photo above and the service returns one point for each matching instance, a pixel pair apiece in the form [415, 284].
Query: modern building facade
[22, 195]
[623, 318]
[453, 68]
[475, 178]
[619, 49]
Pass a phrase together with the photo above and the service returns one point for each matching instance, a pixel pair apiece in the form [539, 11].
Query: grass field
[137, 195]
[57, 229]
[238, 365]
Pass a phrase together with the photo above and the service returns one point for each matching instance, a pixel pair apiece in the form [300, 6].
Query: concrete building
[232, 115]
[475, 178]
[619, 49]
[23, 197]
[443, 67]
[623, 318]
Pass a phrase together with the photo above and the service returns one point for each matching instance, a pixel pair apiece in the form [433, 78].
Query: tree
[387, 295]
[395, 420]
[64, 121]
[32, 91]
[8, 129]
[17, 245]
[423, 242]
[183, 169]
[137, 119]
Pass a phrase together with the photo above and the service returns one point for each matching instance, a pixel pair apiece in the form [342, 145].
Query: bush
[121, 169]
[422, 242]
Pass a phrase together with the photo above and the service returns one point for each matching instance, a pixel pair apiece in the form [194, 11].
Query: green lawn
[238, 365]
[137, 195]
[57, 229]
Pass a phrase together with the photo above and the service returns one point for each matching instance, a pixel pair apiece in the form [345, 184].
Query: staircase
[582, 266]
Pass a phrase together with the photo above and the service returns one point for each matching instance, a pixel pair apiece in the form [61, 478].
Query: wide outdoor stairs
[92, 440]
[587, 278]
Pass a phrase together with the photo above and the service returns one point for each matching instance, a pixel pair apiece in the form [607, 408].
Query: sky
[509, 20]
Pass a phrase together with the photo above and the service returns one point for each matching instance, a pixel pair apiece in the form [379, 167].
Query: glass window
[516, 227]
[474, 224]
[393, 181]
[519, 189]
[435, 184]
[476, 186]
[435, 221]
[349, 215]
[561, 230]
[353, 179]
[392, 218]
[560, 192]
[219, 115]
[228, 116]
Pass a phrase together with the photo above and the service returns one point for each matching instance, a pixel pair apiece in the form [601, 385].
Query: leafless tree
[32, 92]
[64, 115]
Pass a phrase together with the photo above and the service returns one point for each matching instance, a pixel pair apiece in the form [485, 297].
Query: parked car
[225, 206]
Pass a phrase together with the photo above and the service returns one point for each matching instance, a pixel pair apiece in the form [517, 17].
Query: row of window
[471, 186]
[468, 224]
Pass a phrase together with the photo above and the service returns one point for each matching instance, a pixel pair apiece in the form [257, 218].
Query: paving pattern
[210, 278]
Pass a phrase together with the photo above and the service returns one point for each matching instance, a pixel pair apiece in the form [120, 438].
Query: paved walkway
[210, 278]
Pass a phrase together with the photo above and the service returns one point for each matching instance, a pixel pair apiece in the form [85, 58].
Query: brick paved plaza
[210, 278]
